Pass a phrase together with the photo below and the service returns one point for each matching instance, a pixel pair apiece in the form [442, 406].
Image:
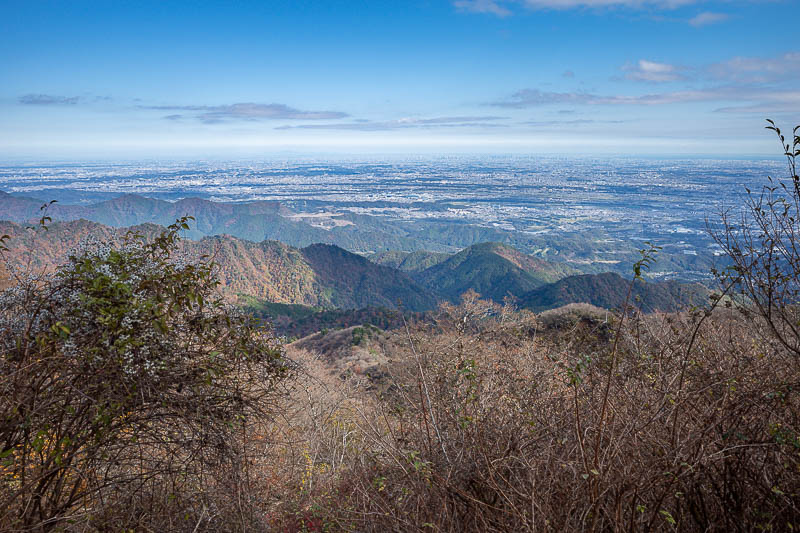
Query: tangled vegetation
[126, 389]
[491, 424]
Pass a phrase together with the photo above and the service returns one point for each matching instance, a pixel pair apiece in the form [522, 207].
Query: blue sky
[131, 79]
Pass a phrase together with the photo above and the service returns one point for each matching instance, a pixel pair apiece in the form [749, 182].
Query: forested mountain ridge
[409, 261]
[609, 290]
[254, 221]
[319, 275]
[492, 269]
[328, 277]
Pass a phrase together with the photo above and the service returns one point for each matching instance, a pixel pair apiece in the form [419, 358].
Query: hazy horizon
[101, 80]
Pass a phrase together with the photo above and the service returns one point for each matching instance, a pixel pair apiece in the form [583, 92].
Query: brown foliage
[490, 426]
[128, 391]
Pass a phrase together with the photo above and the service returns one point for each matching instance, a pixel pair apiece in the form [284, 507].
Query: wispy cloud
[574, 122]
[773, 102]
[707, 18]
[535, 97]
[482, 6]
[567, 4]
[785, 67]
[751, 84]
[246, 112]
[746, 95]
[48, 99]
[653, 72]
[502, 8]
[406, 123]
[736, 71]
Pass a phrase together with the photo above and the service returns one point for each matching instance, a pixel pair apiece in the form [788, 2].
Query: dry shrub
[486, 421]
[567, 315]
[298, 463]
[128, 393]
[490, 424]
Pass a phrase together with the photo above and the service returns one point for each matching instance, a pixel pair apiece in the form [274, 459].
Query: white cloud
[482, 6]
[501, 8]
[706, 18]
[651, 71]
[575, 122]
[48, 99]
[772, 102]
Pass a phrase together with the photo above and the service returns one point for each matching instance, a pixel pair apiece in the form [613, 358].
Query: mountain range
[318, 275]
[407, 244]
[609, 291]
[325, 276]
[493, 270]
[253, 221]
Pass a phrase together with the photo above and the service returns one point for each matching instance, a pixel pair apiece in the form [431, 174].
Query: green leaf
[668, 517]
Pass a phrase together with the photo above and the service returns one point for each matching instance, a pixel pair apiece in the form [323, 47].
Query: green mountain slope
[328, 277]
[408, 261]
[608, 290]
[356, 282]
[493, 270]
[293, 320]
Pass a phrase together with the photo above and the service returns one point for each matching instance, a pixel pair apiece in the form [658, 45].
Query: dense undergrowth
[132, 399]
[492, 424]
[127, 392]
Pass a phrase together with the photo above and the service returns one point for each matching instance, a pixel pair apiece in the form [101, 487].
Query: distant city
[663, 201]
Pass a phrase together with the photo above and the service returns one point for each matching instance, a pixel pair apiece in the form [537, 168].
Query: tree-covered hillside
[491, 269]
[609, 291]
[322, 276]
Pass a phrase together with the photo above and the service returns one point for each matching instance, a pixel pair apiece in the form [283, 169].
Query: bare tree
[763, 246]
